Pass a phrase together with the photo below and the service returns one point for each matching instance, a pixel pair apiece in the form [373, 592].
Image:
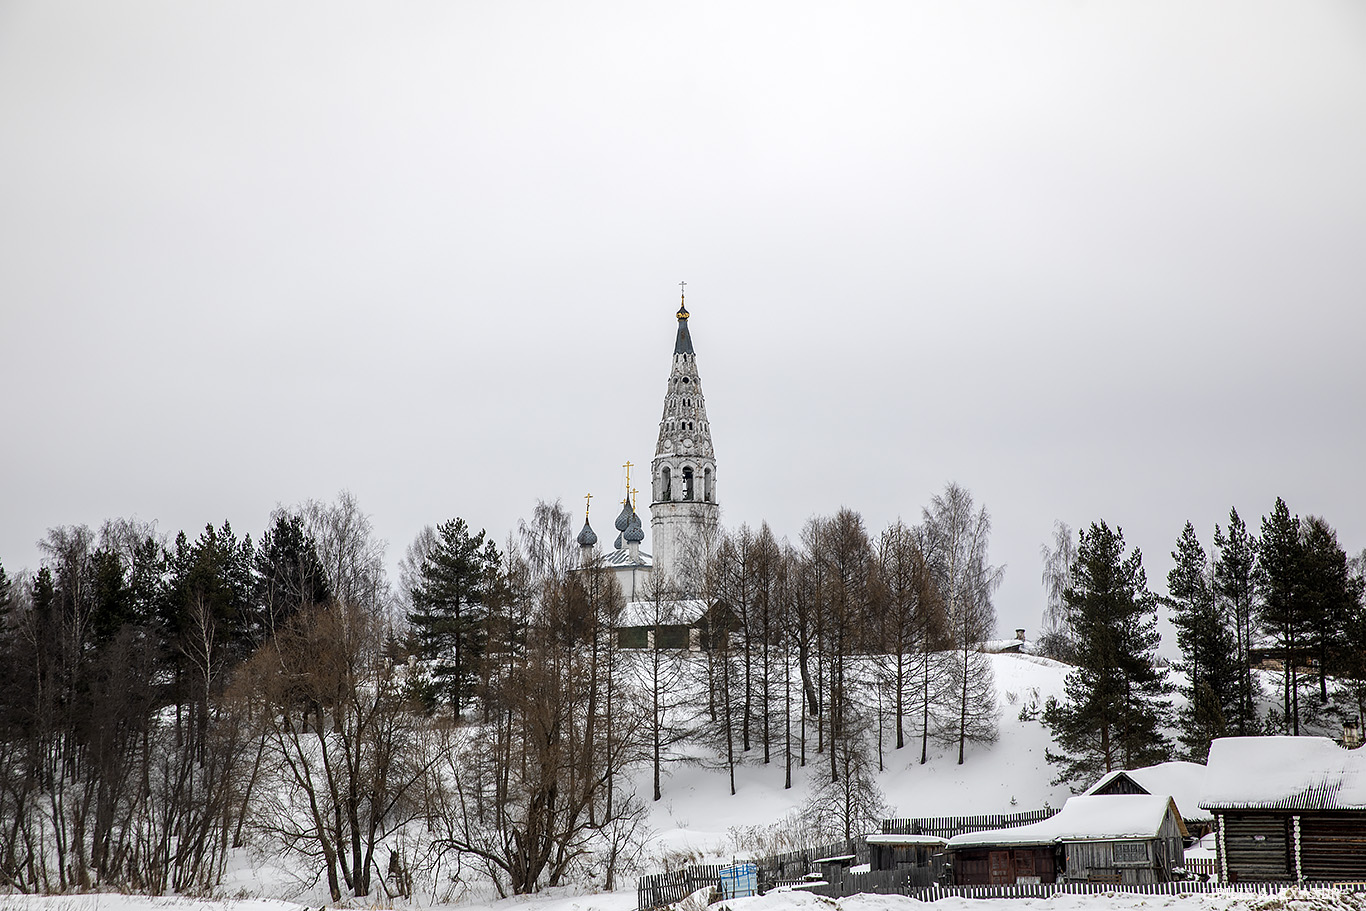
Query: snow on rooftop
[887, 839]
[643, 613]
[1083, 818]
[1300, 773]
[1182, 780]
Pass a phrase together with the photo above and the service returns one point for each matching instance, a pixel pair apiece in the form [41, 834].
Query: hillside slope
[698, 815]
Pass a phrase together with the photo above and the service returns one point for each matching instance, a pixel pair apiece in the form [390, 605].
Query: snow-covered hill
[699, 816]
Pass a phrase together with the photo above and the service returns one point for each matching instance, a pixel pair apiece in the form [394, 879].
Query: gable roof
[1284, 773]
[1183, 781]
[665, 613]
[1086, 818]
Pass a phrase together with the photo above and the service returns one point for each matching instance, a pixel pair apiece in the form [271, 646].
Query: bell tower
[683, 509]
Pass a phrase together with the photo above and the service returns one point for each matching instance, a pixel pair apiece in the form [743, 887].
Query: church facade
[684, 513]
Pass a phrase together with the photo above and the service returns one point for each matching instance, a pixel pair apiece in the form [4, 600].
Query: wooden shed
[1114, 838]
[1287, 809]
[919, 858]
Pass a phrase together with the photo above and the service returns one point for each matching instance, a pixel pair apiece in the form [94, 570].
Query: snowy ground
[698, 818]
[1290, 900]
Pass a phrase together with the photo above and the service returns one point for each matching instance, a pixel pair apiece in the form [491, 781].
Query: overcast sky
[1091, 260]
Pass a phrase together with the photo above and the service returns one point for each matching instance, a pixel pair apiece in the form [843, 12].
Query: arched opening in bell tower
[687, 484]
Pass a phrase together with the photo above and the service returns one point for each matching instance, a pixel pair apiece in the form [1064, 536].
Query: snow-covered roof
[644, 613]
[1182, 780]
[997, 646]
[886, 839]
[1085, 818]
[1289, 773]
[622, 557]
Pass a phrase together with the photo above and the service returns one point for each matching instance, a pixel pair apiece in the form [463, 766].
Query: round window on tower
[687, 379]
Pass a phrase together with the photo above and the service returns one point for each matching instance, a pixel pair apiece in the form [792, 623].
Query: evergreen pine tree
[1281, 611]
[289, 574]
[1207, 647]
[1116, 702]
[450, 607]
[1330, 600]
[1235, 583]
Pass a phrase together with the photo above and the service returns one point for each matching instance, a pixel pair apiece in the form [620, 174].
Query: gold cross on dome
[587, 502]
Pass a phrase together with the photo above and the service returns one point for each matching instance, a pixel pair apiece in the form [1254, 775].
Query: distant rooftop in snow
[644, 613]
[1182, 780]
[1082, 819]
[1289, 773]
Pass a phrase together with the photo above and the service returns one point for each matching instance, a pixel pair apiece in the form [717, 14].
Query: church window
[665, 492]
[706, 484]
[687, 484]
[687, 379]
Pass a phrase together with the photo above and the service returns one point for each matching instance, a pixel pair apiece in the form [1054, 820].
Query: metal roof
[1284, 773]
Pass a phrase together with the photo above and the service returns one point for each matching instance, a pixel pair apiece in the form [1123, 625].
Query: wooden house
[1113, 838]
[1287, 809]
[920, 858]
[682, 625]
[1182, 781]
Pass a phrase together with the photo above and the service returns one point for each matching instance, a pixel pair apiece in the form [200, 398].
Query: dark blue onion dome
[634, 532]
[627, 511]
[587, 538]
[617, 545]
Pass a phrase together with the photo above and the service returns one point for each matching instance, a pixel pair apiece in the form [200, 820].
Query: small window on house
[632, 637]
[671, 637]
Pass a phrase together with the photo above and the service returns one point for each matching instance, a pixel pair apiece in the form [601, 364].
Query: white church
[683, 510]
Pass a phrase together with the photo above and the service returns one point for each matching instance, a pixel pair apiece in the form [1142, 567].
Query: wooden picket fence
[1201, 866]
[1047, 890]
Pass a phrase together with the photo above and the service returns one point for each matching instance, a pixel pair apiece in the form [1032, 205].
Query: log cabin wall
[1333, 846]
[1256, 846]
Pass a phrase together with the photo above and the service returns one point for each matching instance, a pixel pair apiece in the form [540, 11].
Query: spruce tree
[289, 574]
[450, 607]
[1235, 583]
[1116, 703]
[1330, 599]
[1207, 647]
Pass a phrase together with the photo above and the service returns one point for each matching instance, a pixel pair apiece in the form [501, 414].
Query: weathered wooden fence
[794, 864]
[949, 826]
[1046, 890]
[662, 889]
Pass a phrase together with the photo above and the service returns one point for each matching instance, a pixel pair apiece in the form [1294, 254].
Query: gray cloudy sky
[1088, 259]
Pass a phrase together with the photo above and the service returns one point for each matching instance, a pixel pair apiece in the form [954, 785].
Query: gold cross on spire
[633, 499]
[627, 466]
[587, 502]
[682, 290]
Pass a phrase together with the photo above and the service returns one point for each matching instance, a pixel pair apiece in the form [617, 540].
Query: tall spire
[683, 510]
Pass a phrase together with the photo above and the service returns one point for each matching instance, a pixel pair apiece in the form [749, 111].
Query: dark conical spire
[683, 341]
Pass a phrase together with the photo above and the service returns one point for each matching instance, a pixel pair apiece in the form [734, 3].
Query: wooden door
[1002, 873]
